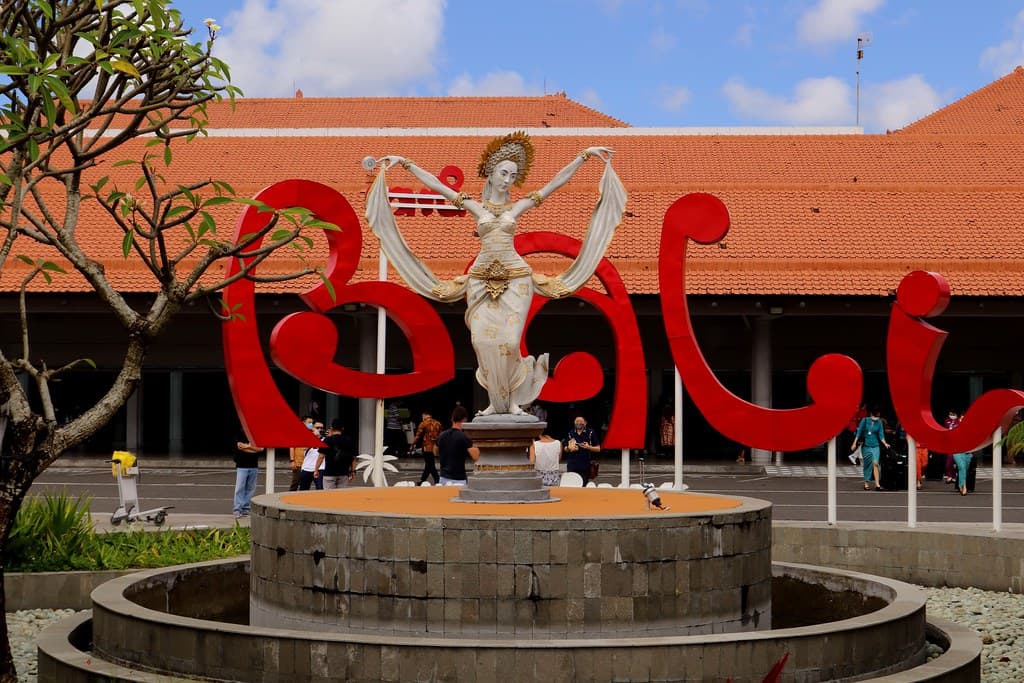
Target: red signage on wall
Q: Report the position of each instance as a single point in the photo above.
(305, 344)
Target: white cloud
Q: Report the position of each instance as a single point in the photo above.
(744, 36)
(1002, 58)
(494, 84)
(834, 20)
(591, 98)
(673, 97)
(894, 104)
(661, 41)
(815, 102)
(330, 47)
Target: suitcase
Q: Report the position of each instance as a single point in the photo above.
(893, 475)
(936, 467)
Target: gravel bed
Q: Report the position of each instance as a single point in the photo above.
(997, 617)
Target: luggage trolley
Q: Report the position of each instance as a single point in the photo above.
(126, 471)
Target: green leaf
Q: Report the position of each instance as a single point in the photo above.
(125, 67)
(223, 187)
(217, 201)
(126, 244)
(26, 259)
(167, 155)
(51, 266)
(176, 211)
(327, 285)
(12, 70)
(90, 362)
(124, 162)
(207, 225)
(255, 202)
(323, 225)
(62, 94)
(100, 183)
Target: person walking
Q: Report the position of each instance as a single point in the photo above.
(578, 445)
(962, 462)
(667, 432)
(870, 435)
(544, 454)
(952, 422)
(247, 462)
(426, 440)
(296, 455)
(453, 449)
(339, 457)
(311, 473)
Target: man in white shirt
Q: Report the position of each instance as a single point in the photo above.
(313, 463)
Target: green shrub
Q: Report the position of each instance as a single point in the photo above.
(49, 530)
(55, 533)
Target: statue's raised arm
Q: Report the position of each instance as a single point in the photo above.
(607, 214)
(381, 217)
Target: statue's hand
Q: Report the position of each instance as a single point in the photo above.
(390, 160)
(604, 153)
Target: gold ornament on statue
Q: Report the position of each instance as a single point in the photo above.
(515, 147)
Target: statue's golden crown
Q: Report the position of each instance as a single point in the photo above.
(514, 147)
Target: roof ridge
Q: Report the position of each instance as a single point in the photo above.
(953, 108)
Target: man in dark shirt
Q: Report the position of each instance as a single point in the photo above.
(247, 460)
(578, 444)
(339, 454)
(453, 447)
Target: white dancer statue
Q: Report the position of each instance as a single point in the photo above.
(500, 284)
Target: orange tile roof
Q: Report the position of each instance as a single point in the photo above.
(811, 215)
(547, 111)
(996, 109)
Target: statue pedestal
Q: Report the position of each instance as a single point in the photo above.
(504, 473)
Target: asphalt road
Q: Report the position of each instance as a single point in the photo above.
(800, 498)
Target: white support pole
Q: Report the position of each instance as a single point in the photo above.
(625, 468)
(831, 496)
(911, 482)
(997, 480)
(677, 479)
(270, 469)
(382, 339)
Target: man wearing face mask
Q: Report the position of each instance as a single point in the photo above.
(296, 456)
(870, 435)
(578, 445)
(311, 473)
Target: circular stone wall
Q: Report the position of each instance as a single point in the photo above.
(595, 562)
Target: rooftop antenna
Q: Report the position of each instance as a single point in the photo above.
(863, 41)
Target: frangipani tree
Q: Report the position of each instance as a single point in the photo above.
(80, 82)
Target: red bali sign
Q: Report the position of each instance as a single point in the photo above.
(305, 344)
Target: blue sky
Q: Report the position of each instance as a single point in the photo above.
(649, 63)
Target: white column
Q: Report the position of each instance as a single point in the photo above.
(367, 363)
(133, 417)
(997, 480)
(677, 421)
(761, 377)
(831, 496)
(382, 341)
(175, 411)
(271, 465)
(911, 482)
(624, 482)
